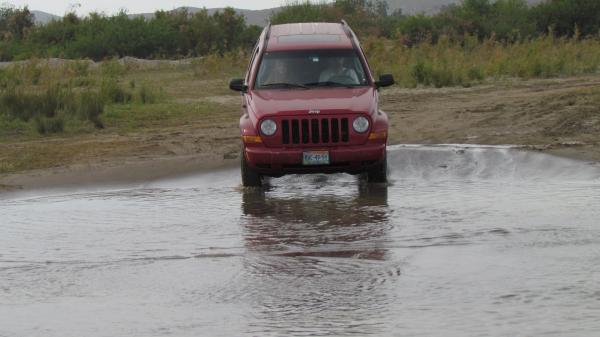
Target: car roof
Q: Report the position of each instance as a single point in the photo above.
(309, 35)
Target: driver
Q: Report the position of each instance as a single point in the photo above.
(336, 69)
(279, 73)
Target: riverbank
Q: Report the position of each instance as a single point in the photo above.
(556, 116)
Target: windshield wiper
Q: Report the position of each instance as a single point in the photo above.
(285, 85)
(330, 84)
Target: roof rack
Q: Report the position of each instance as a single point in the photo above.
(350, 34)
(268, 33)
(347, 29)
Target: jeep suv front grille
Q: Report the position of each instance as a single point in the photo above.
(315, 131)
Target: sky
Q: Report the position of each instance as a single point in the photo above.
(60, 7)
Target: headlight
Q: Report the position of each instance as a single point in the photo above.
(360, 124)
(268, 127)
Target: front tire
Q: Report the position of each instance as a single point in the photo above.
(378, 174)
(250, 178)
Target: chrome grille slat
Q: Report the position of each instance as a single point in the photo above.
(285, 131)
(295, 132)
(315, 131)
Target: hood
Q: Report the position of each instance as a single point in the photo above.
(328, 100)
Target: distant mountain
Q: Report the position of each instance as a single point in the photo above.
(42, 18)
(260, 17)
(428, 6)
(253, 17)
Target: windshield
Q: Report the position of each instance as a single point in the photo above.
(304, 69)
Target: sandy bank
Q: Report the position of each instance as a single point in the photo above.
(556, 116)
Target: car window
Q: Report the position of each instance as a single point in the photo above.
(303, 68)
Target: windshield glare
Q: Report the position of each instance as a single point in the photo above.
(301, 69)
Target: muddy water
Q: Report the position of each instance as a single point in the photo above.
(464, 242)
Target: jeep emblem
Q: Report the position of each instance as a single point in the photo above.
(314, 112)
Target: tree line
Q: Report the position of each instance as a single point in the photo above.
(168, 34)
(176, 34)
(505, 20)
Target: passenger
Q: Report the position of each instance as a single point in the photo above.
(337, 72)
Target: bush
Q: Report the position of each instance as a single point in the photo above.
(65, 96)
(219, 66)
(146, 95)
(15, 103)
(452, 63)
(46, 125)
(568, 17)
(111, 92)
(45, 108)
(90, 106)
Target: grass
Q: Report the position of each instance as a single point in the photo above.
(130, 118)
(449, 63)
(64, 99)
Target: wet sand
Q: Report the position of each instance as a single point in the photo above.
(138, 171)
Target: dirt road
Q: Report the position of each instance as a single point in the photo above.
(560, 116)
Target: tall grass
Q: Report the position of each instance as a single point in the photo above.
(448, 63)
(46, 98)
(219, 66)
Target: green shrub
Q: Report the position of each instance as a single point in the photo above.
(219, 66)
(48, 109)
(82, 82)
(113, 68)
(32, 70)
(475, 74)
(146, 95)
(111, 92)
(80, 68)
(422, 73)
(90, 107)
(45, 125)
(452, 63)
(14, 104)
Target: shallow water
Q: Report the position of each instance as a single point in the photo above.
(480, 241)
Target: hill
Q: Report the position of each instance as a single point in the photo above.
(428, 6)
(260, 17)
(253, 17)
(43, 17)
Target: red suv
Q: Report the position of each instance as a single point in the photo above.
(310, 105)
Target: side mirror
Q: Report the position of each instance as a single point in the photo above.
(385, 81)
(237, 84)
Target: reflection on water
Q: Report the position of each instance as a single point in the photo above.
(327, 263)
(314, 224)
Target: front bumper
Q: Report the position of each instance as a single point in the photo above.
(348, 159)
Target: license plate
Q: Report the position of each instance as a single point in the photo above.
(315, 158)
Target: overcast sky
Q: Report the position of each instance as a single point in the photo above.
(59, 7)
